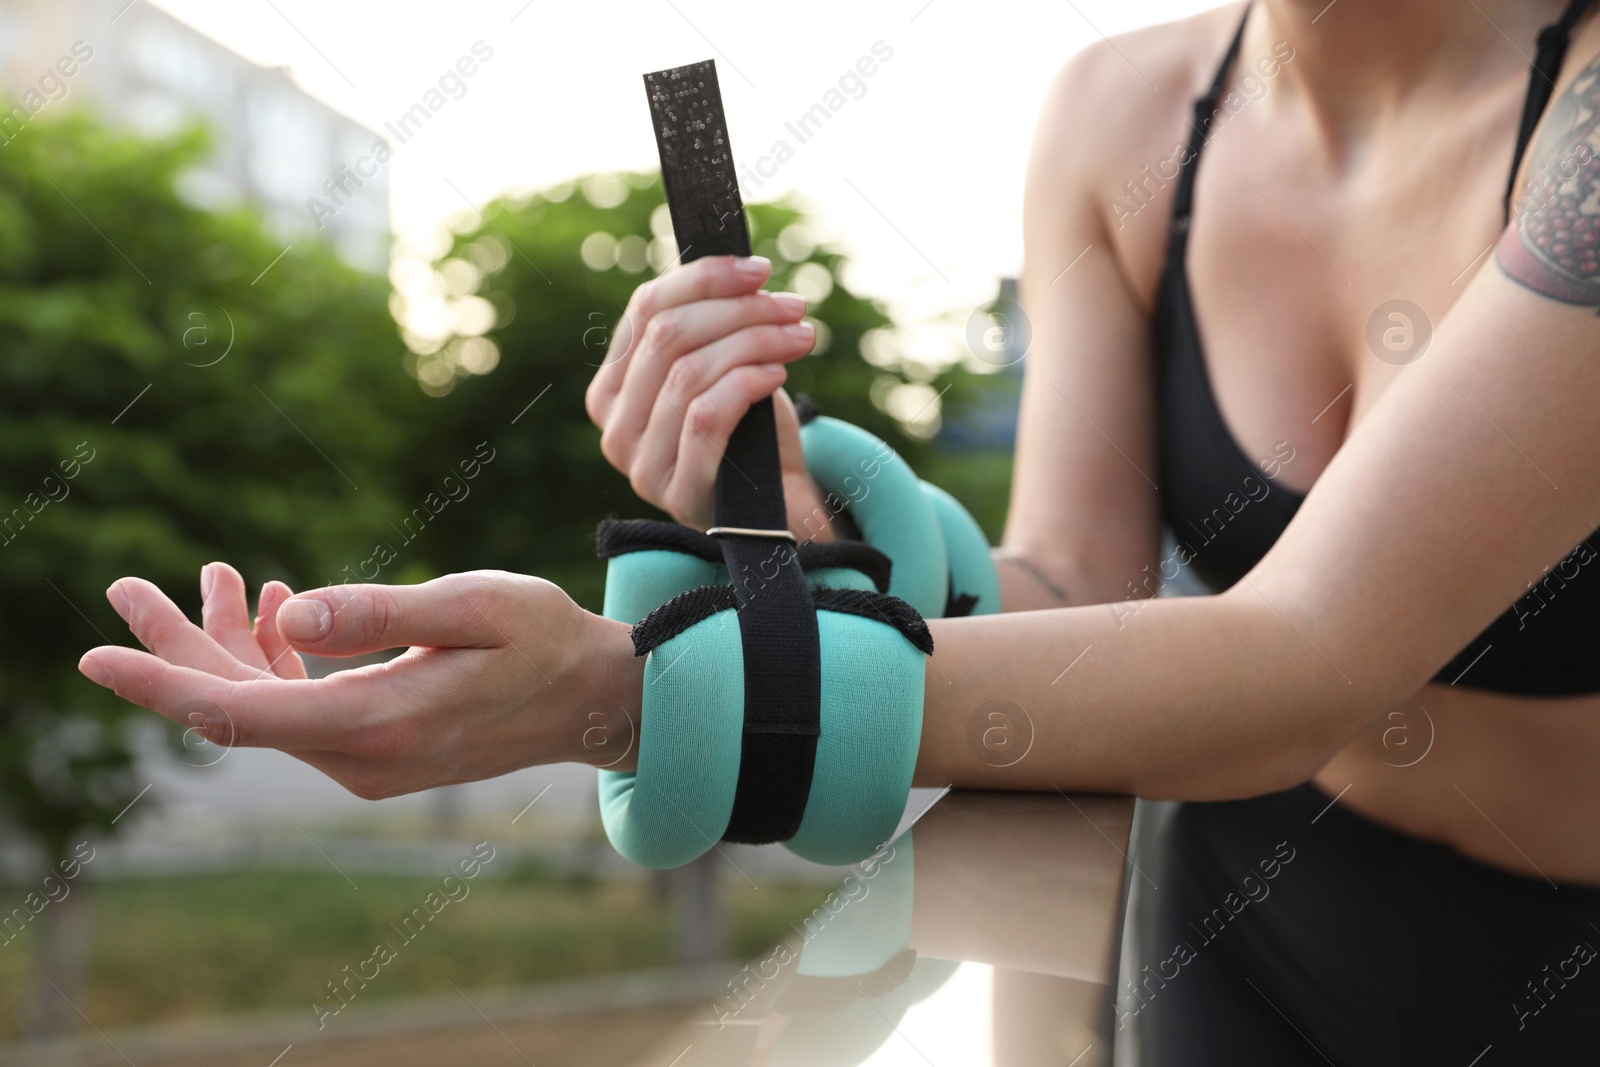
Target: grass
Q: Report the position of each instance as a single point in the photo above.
(182, 948)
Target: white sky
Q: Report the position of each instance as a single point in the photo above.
(935, 149)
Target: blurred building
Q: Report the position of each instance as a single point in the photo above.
(274, 145)
(990, 425)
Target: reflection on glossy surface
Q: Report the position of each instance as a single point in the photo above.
(983, 935)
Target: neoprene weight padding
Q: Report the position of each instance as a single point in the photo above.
(675, 805)
(872, 684)
(887, 503)
(971, 566)
(839, 578)
(639, 582)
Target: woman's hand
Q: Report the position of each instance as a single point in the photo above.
(504, 671)
(695, 348)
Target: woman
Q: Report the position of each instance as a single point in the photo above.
(1211, 343)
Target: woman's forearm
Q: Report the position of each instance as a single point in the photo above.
(1184, 697)
(1032, 580)
(1026, 585)
(1188, 697)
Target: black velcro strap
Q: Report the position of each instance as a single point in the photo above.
(856, 555)
(879, 607)
(749, 492)
(959, 605)
(689, 608)
(777, 618)
(782, 689)
(696, 161)
(618, 537)
(694, 606)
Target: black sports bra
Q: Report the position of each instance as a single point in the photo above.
(1225, 511)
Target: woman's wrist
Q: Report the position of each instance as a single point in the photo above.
(609, 688)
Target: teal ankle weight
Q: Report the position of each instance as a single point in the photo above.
(676, 805)
(887, 503)
(782, 695)
(974, 586)
(940, 556)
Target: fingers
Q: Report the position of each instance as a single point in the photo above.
(758, 351)
(679, 336)
(225, 613)
(708, 422)
(687, 348)
(700, 279)
(456, 611)
(710, 278)
(162, 627)
(281, 659)
(692, 374)
(331, 713)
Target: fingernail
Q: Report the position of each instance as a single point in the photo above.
(119, 600)
(793, 303)
(752, 266)
(800, 331)
(306, 620)
(95, 671)
(207, 579)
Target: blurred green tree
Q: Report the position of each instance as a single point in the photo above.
(530, 290)
(176, 388)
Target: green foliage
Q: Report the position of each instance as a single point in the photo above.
(259, 403)
(539, 501)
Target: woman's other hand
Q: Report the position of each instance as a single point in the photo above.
(503, 671)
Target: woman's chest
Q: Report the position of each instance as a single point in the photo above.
(1312, 287)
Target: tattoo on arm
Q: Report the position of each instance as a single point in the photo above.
(1553, 247)
(1033, 572)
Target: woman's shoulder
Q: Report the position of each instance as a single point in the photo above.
(1127, 96)
(1113, 128)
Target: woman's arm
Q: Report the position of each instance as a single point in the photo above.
(1475, 471)
(1084, 517)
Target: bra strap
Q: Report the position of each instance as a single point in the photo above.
(1204, 108)
(1552, 50)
